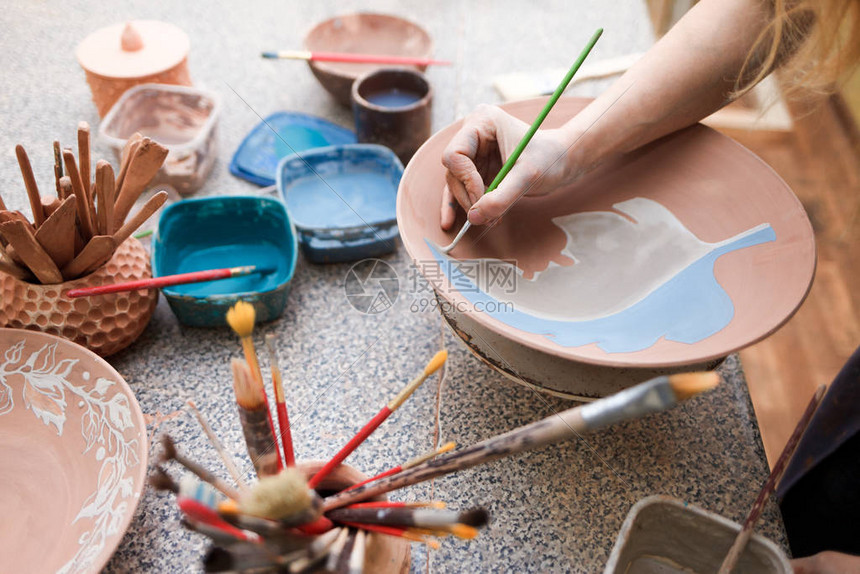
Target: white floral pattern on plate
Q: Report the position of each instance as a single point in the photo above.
(30, 369)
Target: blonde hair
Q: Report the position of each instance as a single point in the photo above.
(815, 42)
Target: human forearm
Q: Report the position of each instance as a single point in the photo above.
(690, 73)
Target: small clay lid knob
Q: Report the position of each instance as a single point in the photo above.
(130, 39)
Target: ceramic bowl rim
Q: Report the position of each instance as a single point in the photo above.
(293, 250)
(515, 334)
(143, 450)
(327, 69)
(307, 155)
(359, 100)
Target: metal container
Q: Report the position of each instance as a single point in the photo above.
(663, 535)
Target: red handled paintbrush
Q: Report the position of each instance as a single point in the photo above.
(280, 403)
(435, 363)
(168, 280)
(353, 58)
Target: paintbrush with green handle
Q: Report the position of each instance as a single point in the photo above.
(652, 396)
(532, 130)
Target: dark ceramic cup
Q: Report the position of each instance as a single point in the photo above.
(392, 107)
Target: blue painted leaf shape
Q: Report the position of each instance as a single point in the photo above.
(685, 303)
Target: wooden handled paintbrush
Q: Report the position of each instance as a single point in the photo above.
(651, 396)
(256, 421)
(434, 365)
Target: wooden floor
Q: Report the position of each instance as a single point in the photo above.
(820, 161)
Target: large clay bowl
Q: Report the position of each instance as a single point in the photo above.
(105, 324)
(363, 33)
(73, 449)
(714, 188)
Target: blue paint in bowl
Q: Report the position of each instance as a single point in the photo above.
(228, 231)
(342, 200)
(257, 157)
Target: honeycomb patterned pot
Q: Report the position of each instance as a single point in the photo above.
(104, 324)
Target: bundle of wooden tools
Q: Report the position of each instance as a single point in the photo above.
(77, 231)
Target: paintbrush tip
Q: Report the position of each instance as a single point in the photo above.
(687, 385)
(241, 317)
(477, 517)
(464, 531)
(436, 362)
(169, 448)
(160, 480)
(270, 55)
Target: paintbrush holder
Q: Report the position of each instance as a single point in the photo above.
(384, 554)
(105, 324)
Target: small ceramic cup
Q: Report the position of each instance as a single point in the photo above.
(392, 107)
(384, 554)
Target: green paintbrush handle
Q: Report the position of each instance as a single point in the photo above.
(544, 112)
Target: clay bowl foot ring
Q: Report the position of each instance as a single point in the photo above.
(384, 554)
(105, 324)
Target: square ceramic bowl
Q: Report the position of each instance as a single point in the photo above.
(342, 200)
(181, 118)
(225, 231)
(662, 535)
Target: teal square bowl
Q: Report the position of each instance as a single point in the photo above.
(226, 231)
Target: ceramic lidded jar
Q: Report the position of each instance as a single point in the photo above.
(118, 57)
(105, 324)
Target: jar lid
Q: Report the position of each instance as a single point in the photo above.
(133, 49)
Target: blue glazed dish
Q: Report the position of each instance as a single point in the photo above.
(257, 157)
(342, 200)
(227, 231)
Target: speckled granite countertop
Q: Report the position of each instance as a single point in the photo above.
(555, 510)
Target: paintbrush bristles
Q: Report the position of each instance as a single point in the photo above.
(249, 391)
(279, 496)
(432, 366)
(241, 318)
(688, 385)
(436, 362)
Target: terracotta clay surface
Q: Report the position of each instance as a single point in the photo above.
(715, 187)
(123, 55)
(74, 451)
(364, 34)
(105, 324)
(384, 554)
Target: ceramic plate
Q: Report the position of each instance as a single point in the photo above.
(681, 252)
(74, 452)
(280, 135)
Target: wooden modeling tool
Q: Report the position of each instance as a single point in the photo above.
(171, 453)
(84, 216)
(509, 163)
(353, 58)
(408, 464)
(7, 265)
(50, 204)
(771, 483)
(84, 158)
(168, 280)
(142, 167)
(21, 238)
(254, 415)
(100, 248)
(652, 396)
(57, 234)
(105, 190)
(2, 204)
(434, 365)
(280, 403)
(128, 151)
(241, 317)
(58, 168)
(30, 185)
(219, 448)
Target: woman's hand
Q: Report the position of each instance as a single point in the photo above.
(476, 154)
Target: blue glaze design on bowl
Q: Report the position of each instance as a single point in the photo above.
(225, 231)
(257, 157)
(342, 200)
